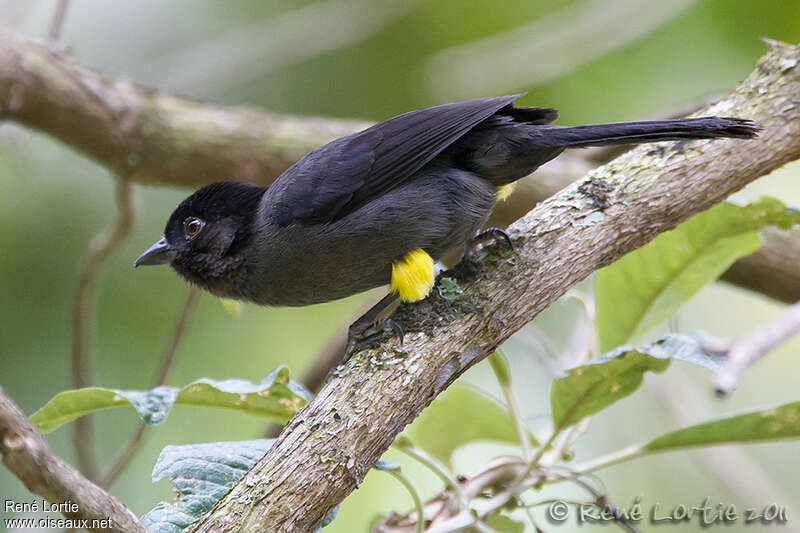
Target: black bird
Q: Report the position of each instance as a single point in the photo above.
(379, 206)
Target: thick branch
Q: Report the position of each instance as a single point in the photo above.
(154, 138)
(28, 457)
(773, 269)
(332, 443)
(147, 136)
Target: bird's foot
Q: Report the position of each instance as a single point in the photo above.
(490, 237)
(364, 334)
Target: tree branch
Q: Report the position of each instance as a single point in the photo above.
(773, 269)
(155, 138)
(54, 32)
(327, 448)
(751, 347)
(146, 136)
(28, 457)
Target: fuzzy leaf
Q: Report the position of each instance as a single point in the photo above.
(274, 397)
(201, 474)
(650, 284)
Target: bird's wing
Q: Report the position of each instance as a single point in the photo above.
(345, 174)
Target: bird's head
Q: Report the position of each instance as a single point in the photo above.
(207, 234)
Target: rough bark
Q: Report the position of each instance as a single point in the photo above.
(150, 137)
(28, 457)
(327, 449)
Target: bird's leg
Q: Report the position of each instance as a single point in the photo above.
(371, 324)
(489, 237)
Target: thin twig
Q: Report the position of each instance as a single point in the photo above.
(499, 363)
(178, 336)
(412, 490)
(99, 249)
(439, 469)
(750, 348)
(28, 457)
(168, 362)
(54, 33)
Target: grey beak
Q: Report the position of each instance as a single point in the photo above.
(158, 254)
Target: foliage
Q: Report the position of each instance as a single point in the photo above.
(779, 422)
(648, 285)
(200, 474)
(275, 397)
(590, 388)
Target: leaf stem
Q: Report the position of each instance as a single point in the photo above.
(625, 454)
(441, 471)
(499, 364)
(412, 490)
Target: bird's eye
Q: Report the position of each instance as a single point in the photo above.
(192, 226)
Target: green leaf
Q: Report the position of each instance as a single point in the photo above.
(458, 416)
(201, 474)
(499, 364)
(606, 379)
(591, 388)
(504, 524)
(274, 397)
(648, 285)
(767, 424)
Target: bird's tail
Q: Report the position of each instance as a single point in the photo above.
(645, 131)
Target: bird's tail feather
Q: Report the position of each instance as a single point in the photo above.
(646, 131)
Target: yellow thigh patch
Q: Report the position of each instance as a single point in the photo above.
(412, 275)
(504, 191)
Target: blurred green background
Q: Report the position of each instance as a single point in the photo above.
(371, 59)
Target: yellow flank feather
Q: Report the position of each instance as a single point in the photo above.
(504, 191)
(412, 275)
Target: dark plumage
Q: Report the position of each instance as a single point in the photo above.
(337, 221)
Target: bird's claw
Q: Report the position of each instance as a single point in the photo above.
(489, 237)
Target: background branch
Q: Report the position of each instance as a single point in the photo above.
(756, 344)
(28, 457)
(773, 269)
(54, 32)
(327, 448)
(99, 249)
